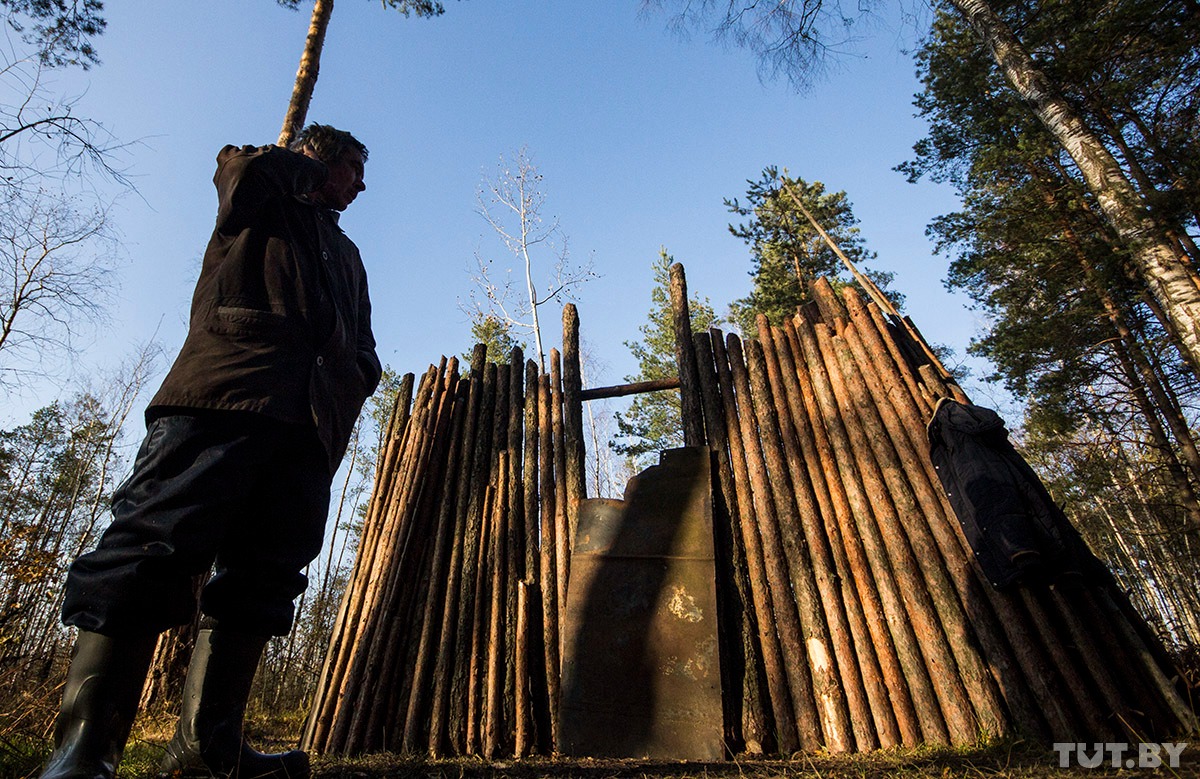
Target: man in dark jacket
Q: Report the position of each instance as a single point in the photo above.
(242, 441)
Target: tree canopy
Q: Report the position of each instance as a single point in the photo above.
(62, 30)
(787, 252)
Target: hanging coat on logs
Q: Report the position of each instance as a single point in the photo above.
(1014, 527)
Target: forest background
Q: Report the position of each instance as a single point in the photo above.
(646, 143)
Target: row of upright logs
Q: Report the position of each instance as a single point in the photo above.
(853, 614)
(447, 640)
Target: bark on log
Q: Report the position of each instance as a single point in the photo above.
(414, 717)
(913, 545)
(842, 671)
(940, 667)
(478, 626)
(746, 724)
(522, 705)
(549, 565)
(878, 663)
(562, 550)
(439, 736)
(863, 541)
(818, 666)
(773, 661)
(496, 647)
(572, 388)
(689, 384)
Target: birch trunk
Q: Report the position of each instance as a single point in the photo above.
(1169, 281)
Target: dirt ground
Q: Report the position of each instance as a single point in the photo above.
(1016, 761)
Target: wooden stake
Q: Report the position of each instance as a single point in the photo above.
(746, 724)
(842, 701)
(878, 663)
(772, 654)
(549, 565)
(915, 705)
(822, 716)
(685, 358)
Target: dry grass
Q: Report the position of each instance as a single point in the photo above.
(1006, 760)
(1019, 761)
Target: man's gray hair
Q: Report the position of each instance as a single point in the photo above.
(328, 143)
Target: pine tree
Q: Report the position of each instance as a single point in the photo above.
(787, 251)
(494, 333)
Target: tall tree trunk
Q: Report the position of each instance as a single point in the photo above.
(306, 76)
(1170, 282)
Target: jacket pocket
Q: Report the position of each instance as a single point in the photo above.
(235, 320)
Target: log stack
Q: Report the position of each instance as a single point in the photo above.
(447, 639)
(852, 615)
(855, 617)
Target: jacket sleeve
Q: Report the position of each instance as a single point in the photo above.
(368, 360)
(247, 177)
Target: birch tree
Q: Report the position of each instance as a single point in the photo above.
(793, 38)
(58, 249)
(513, 203)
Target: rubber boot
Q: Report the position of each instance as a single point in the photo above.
(208, 741)
(100, 701)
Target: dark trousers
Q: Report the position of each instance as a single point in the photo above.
(245, 491)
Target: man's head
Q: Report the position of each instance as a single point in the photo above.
(343, 154)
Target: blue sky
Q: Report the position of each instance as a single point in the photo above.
(639, 134)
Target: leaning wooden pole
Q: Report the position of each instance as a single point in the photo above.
(838, 682)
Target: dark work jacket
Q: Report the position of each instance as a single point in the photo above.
(280, 319)
(1009, 519)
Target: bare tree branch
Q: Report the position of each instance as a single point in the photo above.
(512, 202)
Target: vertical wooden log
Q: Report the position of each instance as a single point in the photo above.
(538, 711)
(493, 700)
(899, 414)
(685, 358)
(573, 418)
(817, 666)
(343, 734)
(773, 660)
(531, 473)
(891, 705)
(522, 704)
(515, 535)
(783, 603)
(549, 565)
(746, 725)
(387, 655)
(562, 551)
(884, 337)
(833, 313)
(439, 718)
(480, 466)
(894, 553)
(825, 629)
(1029, 686)
(478, 627)
(414, 716)
(864, 540)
